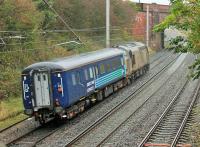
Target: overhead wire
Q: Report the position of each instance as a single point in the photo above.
(65, 31)
(47, 41)
(62, 20)
(51, 47)
(63, 42)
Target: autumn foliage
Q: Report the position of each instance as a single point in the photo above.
(27, 33)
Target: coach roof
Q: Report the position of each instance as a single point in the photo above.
(72, 62)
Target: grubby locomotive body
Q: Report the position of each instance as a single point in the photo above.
(65, 87)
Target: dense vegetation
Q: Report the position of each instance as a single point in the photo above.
(31, 32)
(184, 16)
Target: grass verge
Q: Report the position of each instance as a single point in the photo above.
(12, 120)
(11, 111)
(194, 130)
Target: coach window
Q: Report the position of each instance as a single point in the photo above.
(86, 74)
(113, 64)
(73, 79)
(96, 70)
(102, 68)
(119, 64)
(116, 63)
(78, 80)
(108, 67)
(91, 73)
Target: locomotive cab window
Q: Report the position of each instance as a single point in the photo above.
(133, 59)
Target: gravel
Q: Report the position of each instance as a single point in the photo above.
(134, 130)
(104, 129)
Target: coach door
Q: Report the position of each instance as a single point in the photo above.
(42, 91)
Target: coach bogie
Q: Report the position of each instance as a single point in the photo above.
(108, 90)
(99, 95)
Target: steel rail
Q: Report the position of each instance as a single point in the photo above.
(162, 116)
(174, 142)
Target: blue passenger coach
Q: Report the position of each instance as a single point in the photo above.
(65, 87)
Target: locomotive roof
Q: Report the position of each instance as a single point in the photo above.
(75, 61)
(134, 46)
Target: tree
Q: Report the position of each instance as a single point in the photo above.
(49, 19)
(13, 17)
(184, 15)
(91, 13)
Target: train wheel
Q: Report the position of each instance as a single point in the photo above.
(42, 120)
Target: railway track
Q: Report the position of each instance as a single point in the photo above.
(36, 135)
(161, 60)
(116, 108)
(159, 56)
(167, 130)
(47, 131)
(185, 137)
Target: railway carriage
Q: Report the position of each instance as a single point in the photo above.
(64, 87)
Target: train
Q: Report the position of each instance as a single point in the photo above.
(62, 88)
